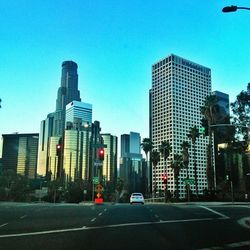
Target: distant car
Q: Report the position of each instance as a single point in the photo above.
(136, 198)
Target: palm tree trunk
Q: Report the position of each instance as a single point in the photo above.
(210, 174)
(177, 186)
(195, 171)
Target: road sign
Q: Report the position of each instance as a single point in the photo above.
(99, 188)
(98, 164)
(188, 181)
(95, 180)
(99, 145)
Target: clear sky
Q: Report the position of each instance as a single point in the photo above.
(115, 43)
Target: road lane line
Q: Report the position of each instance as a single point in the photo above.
(101, 227)
(227, 246)
(22, 217)
(93, 219)
(105, 209)
(99, 214)
(215, 212)
(4, 224)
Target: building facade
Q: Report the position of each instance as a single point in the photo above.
(179, 88)
(67, 92)
(19, 153)
(132, 166)
(109, 168)
(54, 124)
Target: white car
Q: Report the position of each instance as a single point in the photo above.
(136, 198)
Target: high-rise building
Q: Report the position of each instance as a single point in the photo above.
(46, 130)
(132, 166)
(80, 110)
(54, 125)
(20, 153)
(67, 92)
(76, 161)
(109, 168)
(179, 88)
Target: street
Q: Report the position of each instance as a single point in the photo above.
(124, 226)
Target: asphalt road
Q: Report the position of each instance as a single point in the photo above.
(124, 226)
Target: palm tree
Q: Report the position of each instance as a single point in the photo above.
(176, 165)
(147, 146)
(155, 158)
(185, 155)
(193, 135)
(210, 111)
(165, 149)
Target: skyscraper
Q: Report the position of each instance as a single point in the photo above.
(76, 160)
(109, 168)
(54, 124)
(80, 110)
(20, 153)
(179, 88)
(67, 92)
(131, 163)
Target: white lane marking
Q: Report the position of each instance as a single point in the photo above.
(105, 209)
(243, 222)
(215, 212)
(22, 217)
(4, 224)
(101, 227)
(93, 219)
(230, 245)
(99, 214)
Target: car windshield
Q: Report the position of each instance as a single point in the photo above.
(124, 124)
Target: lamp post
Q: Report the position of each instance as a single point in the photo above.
(233, 8)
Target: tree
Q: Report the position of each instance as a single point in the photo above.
(165, 149)
(185, 154)
(155, 158)
(210, 111)
(147, 146)
(193, 135)
(176, 165)
(241, 113)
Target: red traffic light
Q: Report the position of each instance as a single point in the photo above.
(101, 154)
(165, 179)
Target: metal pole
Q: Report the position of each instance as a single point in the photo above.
(232, 191)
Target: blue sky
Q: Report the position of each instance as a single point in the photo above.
(114, 43)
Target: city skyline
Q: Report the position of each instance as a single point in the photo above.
(114, 56)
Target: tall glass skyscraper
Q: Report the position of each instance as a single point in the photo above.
(54, 125)
(179, 88)
(67, 92)
(20, 153)
(109, 168)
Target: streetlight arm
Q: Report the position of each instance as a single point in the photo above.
(233, 8)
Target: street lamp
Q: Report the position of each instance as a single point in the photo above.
(233, 8)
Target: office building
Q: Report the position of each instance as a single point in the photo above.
(79, 110)
(54, 124)
(132, 166)
(19, 153)
(46, 130)
(67, 92)
(109, 169)
(76, 159)
(179, 88)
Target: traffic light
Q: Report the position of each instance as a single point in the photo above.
(58, 149)
(101, 154)
(165, 179)
(227, 177)
(204, 124)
